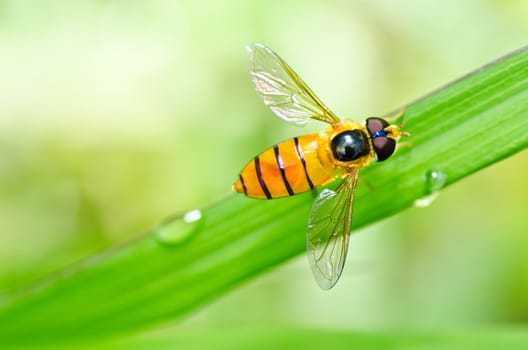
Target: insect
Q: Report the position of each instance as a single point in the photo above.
(302, 163)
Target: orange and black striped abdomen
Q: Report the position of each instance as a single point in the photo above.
(285, 169)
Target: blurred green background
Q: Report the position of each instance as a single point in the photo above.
(116, 114)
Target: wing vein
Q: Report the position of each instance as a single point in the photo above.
(329, 231)
(282, 90)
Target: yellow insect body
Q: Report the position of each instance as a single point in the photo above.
(302, 163)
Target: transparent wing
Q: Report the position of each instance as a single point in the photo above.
(282, 90)
(329, 231)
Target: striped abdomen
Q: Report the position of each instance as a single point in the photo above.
(285, 169)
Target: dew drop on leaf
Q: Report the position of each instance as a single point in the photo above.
(434, 181)
(178, 229)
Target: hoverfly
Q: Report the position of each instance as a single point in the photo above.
(302, 163)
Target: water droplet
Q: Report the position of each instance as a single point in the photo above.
(434, 182)
(192, 216)
(178, 229)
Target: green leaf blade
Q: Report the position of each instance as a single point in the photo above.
(458, 130)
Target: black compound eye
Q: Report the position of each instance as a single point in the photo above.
(384, 147)
(349, 145)
(376, 124)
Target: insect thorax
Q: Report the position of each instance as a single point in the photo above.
(346, 145)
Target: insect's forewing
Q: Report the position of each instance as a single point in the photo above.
(329, 231)
(282, 90)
